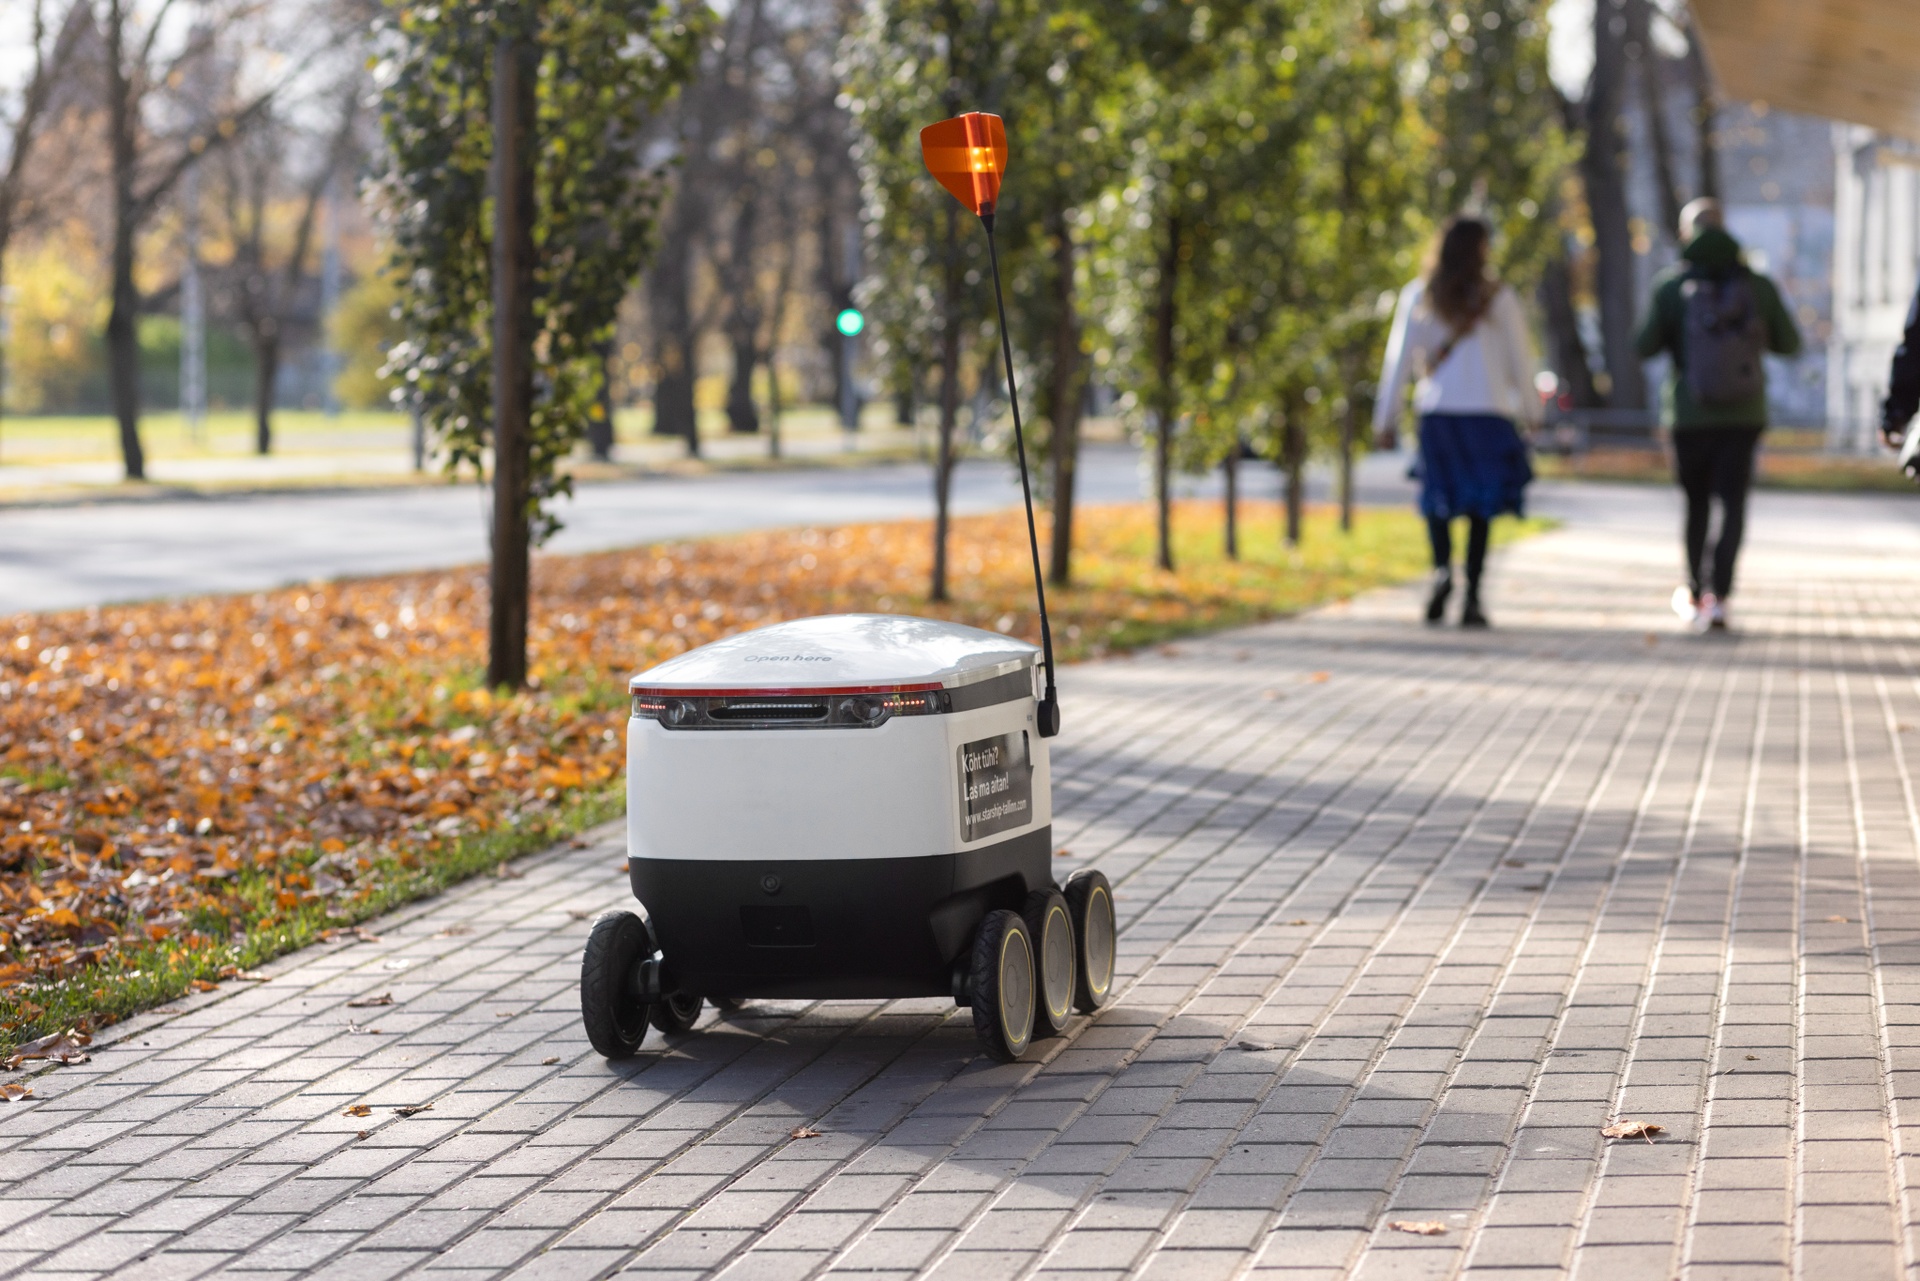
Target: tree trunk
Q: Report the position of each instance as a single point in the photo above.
(1064, 444)
(1705, 107)
(1294, 446)
(1347, 432)
(266, 371)
(1566, 349)
(1653, 101)
(743, 415)
(774, 406)
(949, 408)
(1165, 394)
(515, 66)
(675, 344)
(1603, 167)
(123, 321)
(1230, 472)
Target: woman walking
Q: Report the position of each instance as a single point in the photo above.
(1464, 335)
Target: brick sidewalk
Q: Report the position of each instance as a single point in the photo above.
(1407, 917)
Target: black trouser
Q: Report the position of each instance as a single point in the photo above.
(1440, 534)
(1714, 462)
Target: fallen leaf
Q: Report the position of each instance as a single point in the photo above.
(361, 1134)
(201, 985)
(56, 1047)
(504, 1014)
(1419, 1227)
(1516, 862)
(354, 1029)
(804, 1132)
(1063, 853)
(623, 867)
(368, 1002)
(1837, 920)
(365, 935)
(358, 1109)
(10, 1091)
(1753, 1058)
(1300, 921)
(1320, 678)
(579, 844)
(453, 932)
(550, 1060)
(411, 1109)
(578, 913)
(1633, 1130)
(505, 873)
(1271, 694)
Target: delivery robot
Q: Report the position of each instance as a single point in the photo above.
(854, 806)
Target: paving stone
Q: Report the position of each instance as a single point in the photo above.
(1574, 869)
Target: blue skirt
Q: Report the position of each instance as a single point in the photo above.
(1471, 465)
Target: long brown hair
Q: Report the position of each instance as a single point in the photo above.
(1458, 289)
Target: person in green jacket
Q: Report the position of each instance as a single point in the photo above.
(1716, 317)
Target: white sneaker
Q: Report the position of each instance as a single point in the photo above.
(1712, 614)
(1684, 606)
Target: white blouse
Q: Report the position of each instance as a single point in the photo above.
(1490, 371)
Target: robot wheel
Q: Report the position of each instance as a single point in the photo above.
(1001, 985)
(611, 1005)
(1090, 903)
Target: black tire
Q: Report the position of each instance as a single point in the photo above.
(676, 1013)
(1056, 961)
(1090, 903)
(614, 1014)
(1002, 986)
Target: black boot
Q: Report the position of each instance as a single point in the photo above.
(1472, 615)
(1437, 596)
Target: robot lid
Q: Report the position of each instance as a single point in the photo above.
(842, 653)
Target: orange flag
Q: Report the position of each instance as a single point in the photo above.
(967, 155)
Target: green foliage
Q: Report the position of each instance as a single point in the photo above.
(1281, 162)
(606, 69)
(363, 329)
(907, 65)
(1499, 146)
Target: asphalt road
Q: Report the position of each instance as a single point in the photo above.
(60, 557)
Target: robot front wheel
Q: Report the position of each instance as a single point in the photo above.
(613, 1004)
(1030, 969)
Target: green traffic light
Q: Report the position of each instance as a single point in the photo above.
(850, 322)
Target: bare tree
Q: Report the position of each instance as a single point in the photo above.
(1653, 101)
(147, 161)
(1603, 167)
(1706, 105)
(56, 31)
(255, 173)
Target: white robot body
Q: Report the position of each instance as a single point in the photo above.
(828, 807)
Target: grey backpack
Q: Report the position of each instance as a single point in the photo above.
(1726, 340)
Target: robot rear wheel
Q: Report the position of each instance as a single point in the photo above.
(676, 1013)
(1090, 903)
(1001, 986)
(611, 1005)
(1050, 926)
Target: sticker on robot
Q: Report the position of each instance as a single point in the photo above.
(996, 785)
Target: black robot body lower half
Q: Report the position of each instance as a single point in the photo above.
(831, 929)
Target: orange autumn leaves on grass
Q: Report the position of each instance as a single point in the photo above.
(179, 778)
